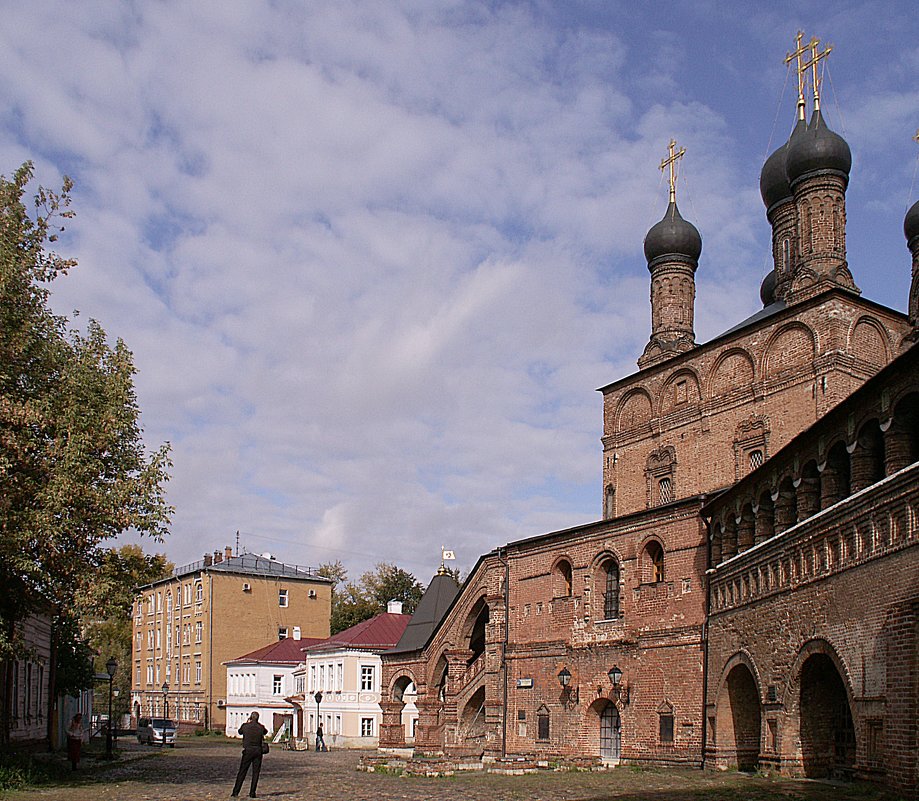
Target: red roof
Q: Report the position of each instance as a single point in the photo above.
(286, 650)
(378, 633)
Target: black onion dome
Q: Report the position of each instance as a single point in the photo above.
(767, 289)
(673, 236)
(911, 224)
(817, 148)
(773, 182)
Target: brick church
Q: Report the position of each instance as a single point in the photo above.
(750, 596)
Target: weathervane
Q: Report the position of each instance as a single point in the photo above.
(670, 161)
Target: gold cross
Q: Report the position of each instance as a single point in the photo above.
(801, 69)
(816, 57)
(916, 137)
(670, 161)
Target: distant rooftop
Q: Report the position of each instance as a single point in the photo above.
(248, 564)
(378, 633)
(286, 651)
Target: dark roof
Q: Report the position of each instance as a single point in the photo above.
(380, 632)
(288, 650)
(432, 607)
(762, 314)
(248, 564)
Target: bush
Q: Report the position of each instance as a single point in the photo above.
(23, 770)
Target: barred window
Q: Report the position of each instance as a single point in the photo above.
(665, 488)
(666, 729)
(611, 592)
(756, 459)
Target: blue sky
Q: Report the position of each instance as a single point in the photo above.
(374, 258)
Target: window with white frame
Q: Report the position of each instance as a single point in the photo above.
(277, 684)
(367, 677)
(197, 672)
(199, 592)
(339, 676)
(366, 727)
(312, 678)
(149, 674)
(282, 632)
(282, 597)
(158, 639)
(199, 630)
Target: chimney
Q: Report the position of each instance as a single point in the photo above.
(208, 560)
(394, 607)
(228, 552)
(218, 557)
(296, 632)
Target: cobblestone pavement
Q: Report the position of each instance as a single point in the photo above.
(205, 769)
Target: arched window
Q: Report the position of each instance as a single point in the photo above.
(654, 559)
(563, 585)
(611, 590)
(542, 723)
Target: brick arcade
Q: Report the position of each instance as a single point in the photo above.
(751, 594)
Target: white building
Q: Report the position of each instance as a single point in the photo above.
(346, 670)
(263, 682)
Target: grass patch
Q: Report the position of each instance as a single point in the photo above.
(19, 771)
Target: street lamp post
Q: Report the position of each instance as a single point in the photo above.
(111, 666)
(165, 700)
(318, 697)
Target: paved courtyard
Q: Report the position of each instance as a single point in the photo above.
(204, 769)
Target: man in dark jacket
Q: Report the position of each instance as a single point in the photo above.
(253, 733)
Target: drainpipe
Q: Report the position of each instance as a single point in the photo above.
(708, 609)
(210, 651)
(507, 585)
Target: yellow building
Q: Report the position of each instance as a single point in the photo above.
(206, 613)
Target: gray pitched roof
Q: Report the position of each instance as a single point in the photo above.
(435, 602)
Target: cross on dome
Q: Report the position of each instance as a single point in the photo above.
(670, 161)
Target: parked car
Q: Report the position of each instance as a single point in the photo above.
(156, 731)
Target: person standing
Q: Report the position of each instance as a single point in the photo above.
(253, 734)
(75, 740)
(320, 742)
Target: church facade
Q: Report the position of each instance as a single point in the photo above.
(751, 593)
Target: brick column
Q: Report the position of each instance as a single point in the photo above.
(746, 529)
(832, 489)
(786, 509)
(429, 732)
(897, 448)
(729, 539)
(808, 497)
(392, 732)
(764, 526)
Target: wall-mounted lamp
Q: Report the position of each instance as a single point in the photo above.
(569, 693)
(621, 690)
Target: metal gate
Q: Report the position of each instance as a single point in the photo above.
(610, 733)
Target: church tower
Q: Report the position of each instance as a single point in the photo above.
(672, 248)
(803, 185)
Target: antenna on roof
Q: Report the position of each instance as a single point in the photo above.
(237, 542)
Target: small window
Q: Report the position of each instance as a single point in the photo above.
(666, 728)
(367, 677)
(282, 632)
(654, 554)
(682, 394)
(611, 591)
(199, 592)
(276, 684)
(542, 723)
(282, 598)
(564, 574)
(665, 490)
(609, 503)
(366, 727)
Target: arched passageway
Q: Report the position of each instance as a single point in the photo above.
(827, 730)
(739, 720)
(473, 721)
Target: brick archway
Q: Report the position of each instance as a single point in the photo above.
(738, 718)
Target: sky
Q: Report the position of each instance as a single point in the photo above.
(374, 259)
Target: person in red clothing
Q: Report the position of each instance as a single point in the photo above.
(75, 740)
(253, 734)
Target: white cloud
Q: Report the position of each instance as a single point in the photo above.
(374, 258)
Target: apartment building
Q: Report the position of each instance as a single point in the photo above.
(188, 625)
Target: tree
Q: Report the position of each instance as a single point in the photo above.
(105, 604)
(73, 468)
(353, 603)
